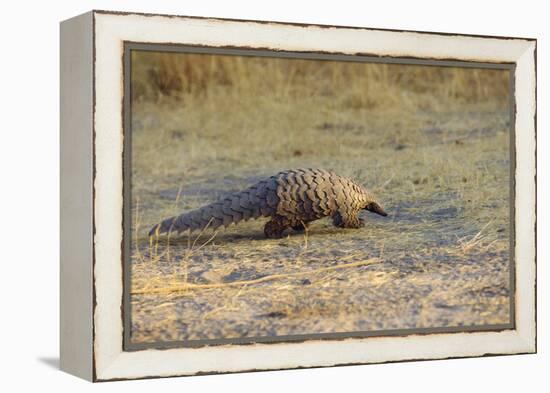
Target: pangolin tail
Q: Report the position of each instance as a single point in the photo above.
(244, 205)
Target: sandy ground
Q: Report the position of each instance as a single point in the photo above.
(441, 258)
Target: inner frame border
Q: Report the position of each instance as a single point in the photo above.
(129, 46)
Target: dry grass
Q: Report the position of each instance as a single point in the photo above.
(373, 86)
(187, 286)
(431, 142)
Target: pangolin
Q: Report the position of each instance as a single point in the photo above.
(291, 198)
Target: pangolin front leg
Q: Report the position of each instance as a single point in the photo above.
(347, 220)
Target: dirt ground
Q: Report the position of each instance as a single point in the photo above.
(440, 167)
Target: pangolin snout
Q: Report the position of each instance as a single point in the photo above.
(376, 208)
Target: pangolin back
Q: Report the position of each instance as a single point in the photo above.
(292, 197)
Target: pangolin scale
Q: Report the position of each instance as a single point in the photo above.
(291, 198)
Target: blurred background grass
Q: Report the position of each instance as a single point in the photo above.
(367, 85)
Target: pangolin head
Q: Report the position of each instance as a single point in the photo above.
(372, 205)
(376, 208)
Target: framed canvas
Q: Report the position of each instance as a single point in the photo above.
(246, 195)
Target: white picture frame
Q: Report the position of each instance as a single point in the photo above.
(92, 117)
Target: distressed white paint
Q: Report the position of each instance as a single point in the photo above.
(76, 172)
(112, 30)
(525, 219)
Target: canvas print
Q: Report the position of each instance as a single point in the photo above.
(273, 197)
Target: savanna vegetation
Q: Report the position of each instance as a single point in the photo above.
(431, 142)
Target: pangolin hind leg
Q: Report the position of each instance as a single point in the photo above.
(343, 220)
(301, 226)
(275, 227)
